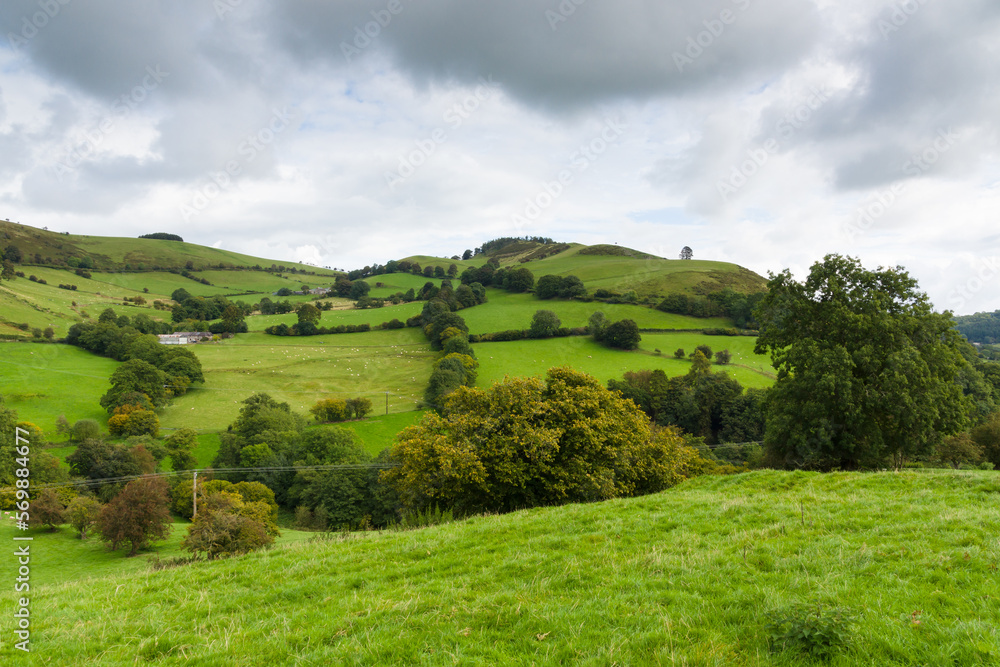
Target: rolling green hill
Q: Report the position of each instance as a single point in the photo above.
(616, 268)
(111, 253)
(690, 576)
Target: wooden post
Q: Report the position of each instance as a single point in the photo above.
(194, 494)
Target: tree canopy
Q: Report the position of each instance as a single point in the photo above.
(866, 370)
(524, 442)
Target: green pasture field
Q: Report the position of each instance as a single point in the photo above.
(60, 557)
(372, 316)
(301, 371)
(505, 310)
(690, 576)
(400, 282)
(161, 284)
(535, 357)
(379, 431)
(43, 381)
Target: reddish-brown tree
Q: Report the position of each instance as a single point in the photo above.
(137, 515)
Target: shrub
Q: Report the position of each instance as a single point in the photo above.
(85, 429)
(227, 525)
(815, 629)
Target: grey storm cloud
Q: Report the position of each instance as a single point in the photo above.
(559, 55)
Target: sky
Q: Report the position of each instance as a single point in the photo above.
(767, 133)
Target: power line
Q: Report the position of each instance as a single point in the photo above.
(175, 473)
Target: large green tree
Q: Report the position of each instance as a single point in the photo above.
(136, 375)
(524, 442)
(866, 369)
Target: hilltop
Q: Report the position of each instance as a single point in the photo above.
(692, 575)
(614, 268)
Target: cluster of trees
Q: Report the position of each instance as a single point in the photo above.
(496, 245)
(164, 236)
(198, 309)
(150, 375)
(708, 405)
(551, 286)
(724, 303)
(491, 275)
(980, 327)
(44, 468)
(231, 519)
(524, 443)
(268, 307)
(622, 335)
(722, 357)
(337, 410)
(309, 328)
(269, 434)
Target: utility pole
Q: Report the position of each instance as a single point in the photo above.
(386, 402)
(194, 494)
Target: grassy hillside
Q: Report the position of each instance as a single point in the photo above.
(42, 382)
(109, 252)
(617, 268)
(688, 576)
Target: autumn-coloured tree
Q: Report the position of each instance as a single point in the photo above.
(227, 525)
(48, 510)
(137, 515)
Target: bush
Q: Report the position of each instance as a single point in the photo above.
(85, 429)
(227, 525)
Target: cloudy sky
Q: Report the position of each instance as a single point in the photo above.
(762, 132)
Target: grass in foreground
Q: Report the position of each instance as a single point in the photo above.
(683, 577)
